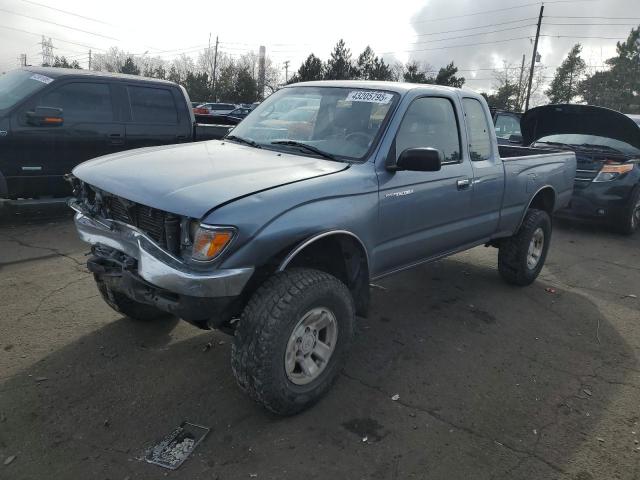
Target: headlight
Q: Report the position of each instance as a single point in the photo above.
(209, 242)
(612, 171)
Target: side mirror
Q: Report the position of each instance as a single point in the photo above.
(420, 160)
(45, 116)
(515, 139)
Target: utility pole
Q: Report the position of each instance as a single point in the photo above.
(89, 59)
(262, 54)
(286, 71)
(215, 67)
(533, 58)
(519, 100)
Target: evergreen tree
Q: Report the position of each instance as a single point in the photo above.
(414, 74)
(340, 66)
(618, 87)
(311, 69)
(565, 84)
(370, 67)
(447, 76)
(130, 67)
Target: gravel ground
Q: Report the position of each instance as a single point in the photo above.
(493, 381)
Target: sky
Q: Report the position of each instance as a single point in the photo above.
(477, 35)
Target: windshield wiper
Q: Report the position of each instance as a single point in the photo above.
(246, 141)
(557, 144)
(306, 146)
(605, 148)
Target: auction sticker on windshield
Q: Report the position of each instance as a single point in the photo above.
(41, 78)
(368, 96)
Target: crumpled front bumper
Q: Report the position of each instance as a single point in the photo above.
(156, 266)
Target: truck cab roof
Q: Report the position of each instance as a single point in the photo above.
(55, 73)
(396, 87)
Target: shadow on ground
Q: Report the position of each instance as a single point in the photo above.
(493, 382)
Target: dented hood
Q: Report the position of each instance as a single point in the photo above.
(191, 179)
(579, 119)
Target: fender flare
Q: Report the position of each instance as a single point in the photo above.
(291, 255)
(524, 213)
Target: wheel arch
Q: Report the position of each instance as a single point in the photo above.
(544, 199)
(340, 253)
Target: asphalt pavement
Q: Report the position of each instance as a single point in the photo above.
(490, 381)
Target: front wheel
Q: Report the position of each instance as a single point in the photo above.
(630, 221)
(292, 339)
(522, 256)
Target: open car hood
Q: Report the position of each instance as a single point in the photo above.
(578, 119)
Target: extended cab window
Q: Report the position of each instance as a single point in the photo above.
(81, 102)
(152, 105)
(477, 129)
(430, 122)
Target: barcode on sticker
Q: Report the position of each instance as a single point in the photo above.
(368, 96)
(41, 78)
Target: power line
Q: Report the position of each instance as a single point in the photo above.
(580, 37)
(503, 9)
(67, 12)
(475, 28)
(594, 24)
(58, 24)
(595, 18)
(475, 34)
(459, 46)
(54, 38)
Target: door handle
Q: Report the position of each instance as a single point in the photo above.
(463, 184)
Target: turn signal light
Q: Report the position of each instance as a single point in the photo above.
(209, 243)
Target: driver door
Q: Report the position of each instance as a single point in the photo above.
(423, 214)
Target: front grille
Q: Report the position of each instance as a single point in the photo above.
(584, 177)
(162, 227)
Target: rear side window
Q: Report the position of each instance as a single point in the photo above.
(478, 130)
(430, 122)
(152, 105)
(81, 102)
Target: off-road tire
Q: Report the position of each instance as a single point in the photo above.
(267, 322)
(127, 307)
(513, 251)
(627, 225)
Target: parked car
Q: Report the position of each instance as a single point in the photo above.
(239, 113)
(214, 108)
(52, 119)
(277, 239)
(507, 125)
(607, 146)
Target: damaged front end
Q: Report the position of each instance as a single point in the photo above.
(158, 258)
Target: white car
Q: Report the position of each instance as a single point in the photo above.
(215, 108)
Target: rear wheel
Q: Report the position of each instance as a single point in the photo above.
(630, 221)
(522, 256)
(127, 307)
(292, 339)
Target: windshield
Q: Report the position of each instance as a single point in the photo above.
(341, 122)
(507, 125)
(19, 84)
(591, 141)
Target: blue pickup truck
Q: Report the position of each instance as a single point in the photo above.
(275, 233)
